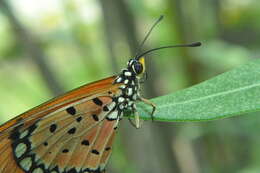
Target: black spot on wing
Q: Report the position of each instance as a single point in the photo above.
(95, 152)
(72, 130)
(95, 117)
(108, 148)
(53, 128)
(85, 142)
(105, 108)
(71, 110)
(97, 101)
(79, 119)
(65, 151)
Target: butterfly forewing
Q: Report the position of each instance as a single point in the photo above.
(29, 117)
(68, 134)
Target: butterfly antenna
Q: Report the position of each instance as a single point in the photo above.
(195, 44)
(148, 33)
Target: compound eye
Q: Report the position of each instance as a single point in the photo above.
(138, 68)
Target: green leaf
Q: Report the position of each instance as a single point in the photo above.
(232, 93)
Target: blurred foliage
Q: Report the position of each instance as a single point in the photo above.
(87, 40)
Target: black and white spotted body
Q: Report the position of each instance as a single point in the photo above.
(130, 88)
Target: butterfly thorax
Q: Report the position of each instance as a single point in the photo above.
(130, 89)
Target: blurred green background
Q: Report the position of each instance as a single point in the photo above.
(48, 47)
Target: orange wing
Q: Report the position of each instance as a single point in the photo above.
(101, 87)
(67, 134)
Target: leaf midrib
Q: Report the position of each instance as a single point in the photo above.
(210, 96)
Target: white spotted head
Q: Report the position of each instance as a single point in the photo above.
(136, 66)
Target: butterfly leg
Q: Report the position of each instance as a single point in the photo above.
(137, 119)
(136, 122)
(151, 104)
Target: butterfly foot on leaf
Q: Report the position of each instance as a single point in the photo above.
(148, 102)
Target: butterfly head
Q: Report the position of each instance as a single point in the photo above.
(136, 66)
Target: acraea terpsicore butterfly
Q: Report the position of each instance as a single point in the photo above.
(73, 133)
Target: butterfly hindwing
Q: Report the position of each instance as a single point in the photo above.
(83, 148)
(108, 150)
(94, 156)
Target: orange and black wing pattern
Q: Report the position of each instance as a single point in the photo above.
(69, 134)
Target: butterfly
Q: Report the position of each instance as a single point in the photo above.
(74, 132)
